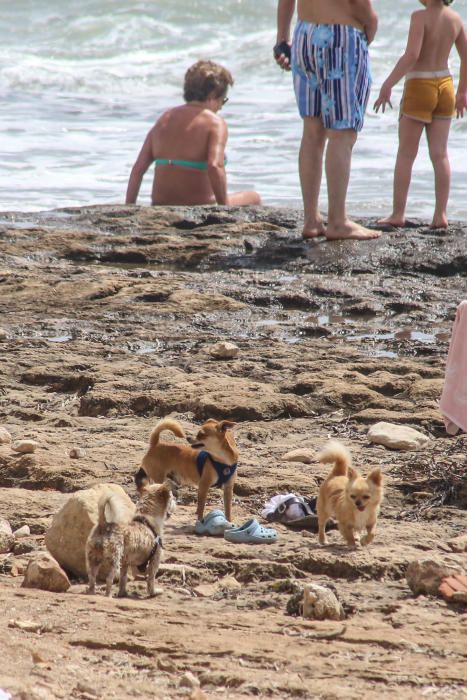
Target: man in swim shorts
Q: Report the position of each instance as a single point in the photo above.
(329, 60)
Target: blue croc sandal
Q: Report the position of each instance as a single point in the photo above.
(214, 524)
(251, 532)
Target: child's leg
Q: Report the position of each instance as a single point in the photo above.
(410, 131)
(437, 134)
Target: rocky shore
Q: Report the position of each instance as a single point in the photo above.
(107, 318)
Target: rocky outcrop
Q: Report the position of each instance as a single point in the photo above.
(66, 537)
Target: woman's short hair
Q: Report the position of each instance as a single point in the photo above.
(205, 78)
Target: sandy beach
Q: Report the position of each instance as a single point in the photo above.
(107, 314)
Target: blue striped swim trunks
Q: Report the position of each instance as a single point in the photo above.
(331, 73)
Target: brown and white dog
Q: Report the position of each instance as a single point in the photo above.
(211, 460)
(119, 544)
(345, 494)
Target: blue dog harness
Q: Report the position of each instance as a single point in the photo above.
(224, 471)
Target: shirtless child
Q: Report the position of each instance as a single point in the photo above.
(428, 102)
(331, 74)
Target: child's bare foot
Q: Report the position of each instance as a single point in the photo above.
(396, 221)
(351, 231)
(439, 222)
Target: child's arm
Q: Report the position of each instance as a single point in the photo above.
(461, 95)
(363, 11)
(406, 61)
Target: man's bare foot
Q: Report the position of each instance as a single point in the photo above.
(313, 229)
(392, 220)
(439, 222)
(351, 231)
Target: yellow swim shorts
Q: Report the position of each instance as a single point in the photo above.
(427, 96)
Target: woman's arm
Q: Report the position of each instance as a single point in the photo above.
(406, 61)
(216, 153)
(142, 163)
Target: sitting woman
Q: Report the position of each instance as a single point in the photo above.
(187, 145)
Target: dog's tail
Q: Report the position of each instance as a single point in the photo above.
(165, 424)
(110, 510)
(334, 452)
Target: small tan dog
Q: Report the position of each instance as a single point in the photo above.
(210, 461)
(345, 494)
(120, 544)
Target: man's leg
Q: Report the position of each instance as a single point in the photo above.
(437, 134)
(338, 160)
(310, 165)
(410, 131)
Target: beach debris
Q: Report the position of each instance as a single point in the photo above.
(25, 446)
(224, 350)
(5, 437)
(23, 531)
(454, 588)
(397, 437)
(44, 572)
(7, 539)
(424, 575)
(301, 454)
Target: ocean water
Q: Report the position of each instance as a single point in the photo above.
(82, 83)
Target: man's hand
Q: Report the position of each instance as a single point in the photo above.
(384, 98)
(282, 55)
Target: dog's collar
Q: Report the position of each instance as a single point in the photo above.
(224, 471)
(157, 541)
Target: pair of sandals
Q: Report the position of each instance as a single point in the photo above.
(251, 532)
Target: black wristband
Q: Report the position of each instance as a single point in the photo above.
(282, 48)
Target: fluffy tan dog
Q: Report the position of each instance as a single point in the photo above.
(120, 544)
(345, 494)
(210, 461)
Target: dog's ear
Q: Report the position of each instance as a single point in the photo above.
(141, 480)
(172, 486)
(352, 474)
(376, 476)
(225, 425)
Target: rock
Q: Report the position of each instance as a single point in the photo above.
(23, 531)
(224, 350)
(3, 335)
(205, 590)
(320, 603)
(45, 573)
(25, 446)
(66, 537)
(189, 680)
(424, 575)
(397, 437)
(5, 437)
(304, 455)
(7, 539)
(76, 453)
(458, 544)
(25, 545)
